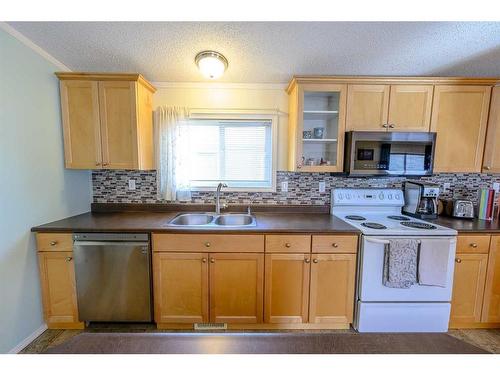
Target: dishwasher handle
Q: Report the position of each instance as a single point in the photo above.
(110, 243)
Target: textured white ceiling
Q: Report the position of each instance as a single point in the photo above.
(272, 51)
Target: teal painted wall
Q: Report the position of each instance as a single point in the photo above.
(34, 186)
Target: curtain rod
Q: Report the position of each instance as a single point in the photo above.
(235, 110)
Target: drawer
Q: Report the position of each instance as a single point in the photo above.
(288, 244)
(335, 244)
(473, 244)
(54, 241)
(222, 243)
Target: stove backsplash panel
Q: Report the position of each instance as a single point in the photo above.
(111, 186)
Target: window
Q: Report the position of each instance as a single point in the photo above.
(237, 151)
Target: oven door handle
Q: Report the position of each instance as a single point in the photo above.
(382, 242)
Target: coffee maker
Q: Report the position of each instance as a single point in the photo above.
(421, 199)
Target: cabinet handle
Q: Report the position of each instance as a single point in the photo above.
(97, 164)
(299, 166)
(474, 245)
(69, 259)
(458, 260)
(105, 164)
(207, 244)
(204, 260)
(487, 167)
(288, 244)
(391, 126)
(385, 126)
(307, 260)
(53, 243)
(315, 260)
(212, 260)
(335, 244)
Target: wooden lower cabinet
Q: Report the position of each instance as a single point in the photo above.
(491, 305)
(468, 289)
(236, 287)
(333, 279)
(180, 287)
(287, 288)
(57, 276)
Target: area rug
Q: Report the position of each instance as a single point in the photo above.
(264, 343)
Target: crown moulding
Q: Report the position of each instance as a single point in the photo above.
(482, 81)
(90, 76)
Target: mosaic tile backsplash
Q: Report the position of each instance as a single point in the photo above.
(111, 186)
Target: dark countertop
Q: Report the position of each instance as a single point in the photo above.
(158, 222)
(468, 225)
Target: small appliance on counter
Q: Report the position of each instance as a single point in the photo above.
(421, 199)
(459, 208)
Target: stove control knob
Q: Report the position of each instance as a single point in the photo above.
(381, 196)
(389, 196)
(397, 196)
(340, 196)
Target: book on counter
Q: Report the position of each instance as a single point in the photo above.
(486, 204)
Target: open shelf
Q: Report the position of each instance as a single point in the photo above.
(320, 115)
(321, 140)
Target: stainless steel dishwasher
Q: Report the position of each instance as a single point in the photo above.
(113, 277)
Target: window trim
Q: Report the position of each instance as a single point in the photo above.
(232, 114)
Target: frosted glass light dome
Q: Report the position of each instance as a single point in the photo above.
(211, 64)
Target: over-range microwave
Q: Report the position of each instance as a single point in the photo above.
(389, 153)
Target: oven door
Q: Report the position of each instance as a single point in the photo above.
(389, 153)
(371, 288)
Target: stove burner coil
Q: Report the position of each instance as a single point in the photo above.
(417, 225)
(398, 217)
(355, 217)
(373, 225)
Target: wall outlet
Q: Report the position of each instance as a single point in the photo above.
(131, 184)
(322, 186)
(496, 187)
(446, 186)
(284, 186)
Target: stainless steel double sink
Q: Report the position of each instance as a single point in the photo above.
(211, 219)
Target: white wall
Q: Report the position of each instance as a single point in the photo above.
(230, 96)
(34, 186)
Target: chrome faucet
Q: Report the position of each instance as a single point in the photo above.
(217, 197)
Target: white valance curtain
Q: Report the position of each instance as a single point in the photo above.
(172, 171)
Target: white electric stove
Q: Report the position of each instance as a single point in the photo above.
(377, 214)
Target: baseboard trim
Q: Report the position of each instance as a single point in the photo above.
(23, 344)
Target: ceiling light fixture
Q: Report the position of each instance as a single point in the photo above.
(211, 64)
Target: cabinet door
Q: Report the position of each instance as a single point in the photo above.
(491, 306)
(180, 287)
(58, 289)
(333, 278)
(118, 115)
(367, 107)
(317, 127)
(468, 288)
(236, 287)
(491, 163)
(459, 118)
(410, 107)
(81, 126)
(287, 288)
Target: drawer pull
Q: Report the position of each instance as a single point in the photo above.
(474, 245)
(307, 260)
(458, 260)
(315, 260)
(288, 244)
(97, 164)
(335, 244)
(212, 260)
(204, 260)
(53, 243)
(207, 244)
(69, 259)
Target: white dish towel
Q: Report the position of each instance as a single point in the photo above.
(433, 262)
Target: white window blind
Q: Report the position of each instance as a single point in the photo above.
(236, 152)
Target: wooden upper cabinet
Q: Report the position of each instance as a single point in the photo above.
(410, 107)
(459, 117)
(107, 121)
(367, 107)
(491, 162)
(491, 306)
(316, 127)
(180, 287)
(333, 279)
(287, 288)
(468, 288)
(81, 127)
(236, 287)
